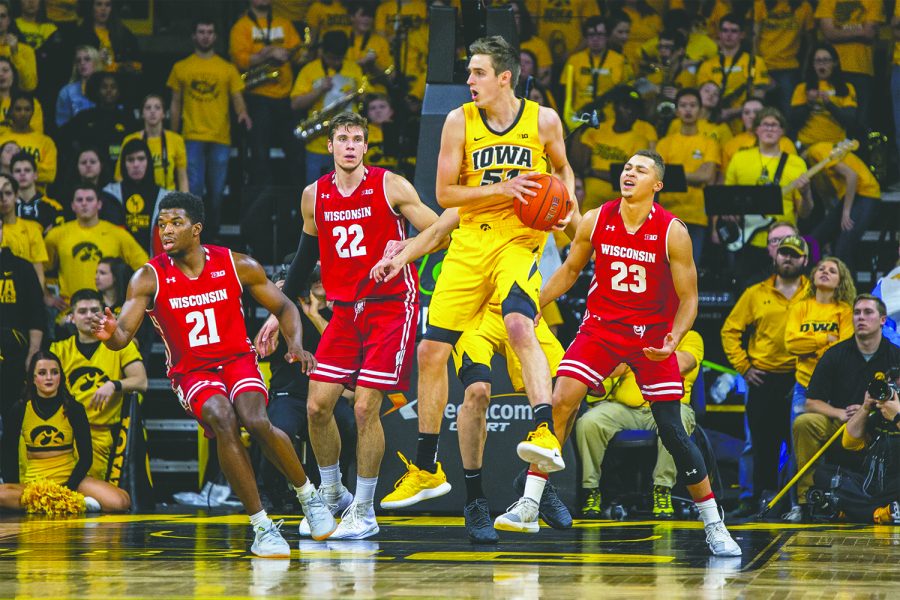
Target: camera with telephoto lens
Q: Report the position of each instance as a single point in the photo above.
(883, 386)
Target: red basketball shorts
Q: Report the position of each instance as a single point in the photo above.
(601, 345)
(229, 379)
(370, 344)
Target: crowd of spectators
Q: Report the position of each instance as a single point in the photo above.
(737, 92)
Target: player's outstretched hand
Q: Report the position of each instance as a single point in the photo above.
(393, 247)
(386, 269)
(103, 325)
(660, 354)
(521, 186)
(304, 357)
(267, 338)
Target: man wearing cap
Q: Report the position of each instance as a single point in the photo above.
(765, 363)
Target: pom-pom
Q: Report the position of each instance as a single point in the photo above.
(49, 498)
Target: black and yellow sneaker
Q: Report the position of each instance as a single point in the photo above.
(662, 503)
(591, 508)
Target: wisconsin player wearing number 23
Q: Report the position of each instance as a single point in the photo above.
(193, 293)
(349, 216)
(641, 303)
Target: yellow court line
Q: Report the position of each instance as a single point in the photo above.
(530, 557)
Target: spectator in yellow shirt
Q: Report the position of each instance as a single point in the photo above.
(818, 322)
(9, 84)
(782, 28)
(259, 38)
(760, 315)
(166, 147)
(561, 25)
(623, 407)
(529, 41)
(645, 23)
(327, 15)
(824, 106)
(23, 237)
(698, 47)
(35, 143)
(700, 156)
(20, 54)
(368, 49)
(411, 19)
(33, 24)
(202, 86)
(858, 194)
(852, 27)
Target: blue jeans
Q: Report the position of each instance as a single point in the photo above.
(895, 95)
(844, 244)
(207, 172)
(798, 401)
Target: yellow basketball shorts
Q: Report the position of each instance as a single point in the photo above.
(484, 258)
(473, 352)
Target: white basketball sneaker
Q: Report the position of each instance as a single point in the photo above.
(269, 543)
(357, 522)
(336, 497)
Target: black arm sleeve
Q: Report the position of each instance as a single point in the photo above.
(14, 428)
(845, 115)
(82, 431)
(302, 266)
(36, 316)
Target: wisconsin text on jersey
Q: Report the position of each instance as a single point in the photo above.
(347, 215)
(198, 299)
(623, 252)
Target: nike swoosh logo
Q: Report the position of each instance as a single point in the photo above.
(479, 139)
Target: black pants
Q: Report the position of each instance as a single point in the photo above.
(288, 413)
(850, 493)
(12, 385)
(273, 124)
(769, 417)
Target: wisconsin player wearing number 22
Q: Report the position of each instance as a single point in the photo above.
(193, 295)
(642, 301)
(349, 216)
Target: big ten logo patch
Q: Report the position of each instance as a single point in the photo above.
(135, 218)
(87, 252)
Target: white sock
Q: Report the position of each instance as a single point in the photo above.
(260, 520)
(534, 486)
(331, 475)
(305, 491)
(365, 489)
(709, 511)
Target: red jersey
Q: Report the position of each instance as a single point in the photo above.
(353, 232)
(201, 320)
(632, 280)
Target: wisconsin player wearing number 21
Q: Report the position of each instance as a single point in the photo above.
(641, 303)
(193, 295)
(349, 216)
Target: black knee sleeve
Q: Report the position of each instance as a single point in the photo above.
(688, 459)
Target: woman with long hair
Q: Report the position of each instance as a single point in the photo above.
(529, 41)
(72, 97)
(53, 426)
(166, 147)
(111, 280)
(819, 321)
(824, 106)
(103, 29)
(8, 149)
(9, 84)
(12, 45)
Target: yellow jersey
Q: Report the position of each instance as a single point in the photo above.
(809, 325)
(47, 434)
(690, 151)
(494, 156)
(820, 125)
(866, 184)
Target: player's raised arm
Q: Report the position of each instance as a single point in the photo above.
(429, 240)
(579, 254)
(448, 190)
(253, 278)
(115, 333)
(308, 250)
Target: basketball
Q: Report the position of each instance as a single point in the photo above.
(549, 206)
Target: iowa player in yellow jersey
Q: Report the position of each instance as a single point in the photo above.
(490, 150)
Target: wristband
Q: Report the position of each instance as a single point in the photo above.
(117, 384)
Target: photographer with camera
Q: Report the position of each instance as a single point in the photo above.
(837, 393)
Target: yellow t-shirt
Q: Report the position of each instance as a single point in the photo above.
(821, 126)
(782, 30)
(77, 250)
(176, 157)
(866, 184)
(414, 14)
(26, 65)
(37, 119)
(610, 69)
(720, 132)
(699, 47)
(248, 38)
(856, 57)
(607, 147)
(85, 375)
(35, 33)
(39, 146)
(746, 168)
(625, 390)
(292, 10)
(206, 86)
(747, 139)
(735, 92)
(25, 239)
(376, 45)
(491, 157)
(539, 48)
(328, 17)
(809, 324)
(344, 81)
(690, 151)
(643, 28)
(559, 23)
